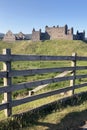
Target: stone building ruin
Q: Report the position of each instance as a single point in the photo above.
(20, 36)
(36, 35)
(59, 32)
(9, 36)
(51, 33)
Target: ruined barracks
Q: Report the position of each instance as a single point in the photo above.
(9, 36)
(51, 33)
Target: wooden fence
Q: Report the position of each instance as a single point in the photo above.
(7, 58)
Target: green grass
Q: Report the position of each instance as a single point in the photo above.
(70, 118)
(58, 116)
(53, 47)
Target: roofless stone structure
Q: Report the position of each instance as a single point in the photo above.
(51, 33)
(9, 36)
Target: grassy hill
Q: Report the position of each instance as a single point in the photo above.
(52, 47)
(49, 47)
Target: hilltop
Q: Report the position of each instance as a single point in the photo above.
(48, 47)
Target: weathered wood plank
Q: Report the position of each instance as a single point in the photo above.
(81, 58)
(3, 106)
(39, 57)
(13, 57)
(14, 73)
(33, 57)
(80, 85)
(4, 58)
(80, 67)
(43, 82)
(80, 76)
(3, 74)
(41, 71)
(38, 71)
(63, 74)
(44, 95)
(37, 83)
(33, 84)
(43, 86)
(33, 98)
(44, 57)
(4, 89)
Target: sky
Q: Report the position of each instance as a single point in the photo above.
(24, 15)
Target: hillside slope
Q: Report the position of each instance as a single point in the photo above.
(53, 47)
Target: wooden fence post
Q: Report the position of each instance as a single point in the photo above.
(73, 64)
(7, 82)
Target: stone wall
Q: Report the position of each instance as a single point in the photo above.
(10, 37)
(20, 36)
(51, 33)
(59, 32)
(36, 35)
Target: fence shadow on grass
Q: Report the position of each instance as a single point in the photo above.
(69, 121)
(72, 121)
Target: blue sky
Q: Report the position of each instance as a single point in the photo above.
(24, 15)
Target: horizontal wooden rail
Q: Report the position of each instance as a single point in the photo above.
(27, 85)
(45, 58)
(3, 106)
(44, 95)
(80, 67)
(42, 71)
(39, 58)
(43, 86)
(4, 58)
(32, 98)
(38, 71)
(30, 72)
(3, 74)
(13, 57)
(33, 84)
(80, 76)
(79, 58)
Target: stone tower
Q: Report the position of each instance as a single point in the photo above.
(36, 35)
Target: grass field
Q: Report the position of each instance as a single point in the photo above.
(53, 47)
(70, 118)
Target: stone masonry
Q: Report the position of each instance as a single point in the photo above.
(36, 35)
(9, 36)
(52, 33)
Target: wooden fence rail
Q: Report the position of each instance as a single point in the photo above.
(8, 73)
